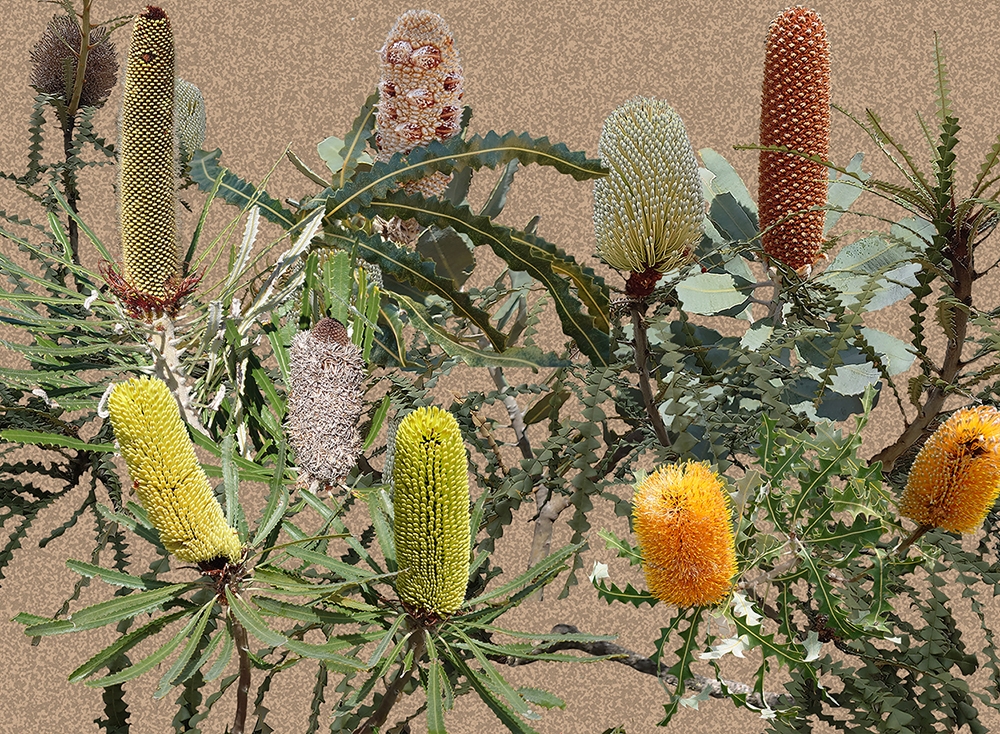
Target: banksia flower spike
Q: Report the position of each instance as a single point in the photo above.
(165, 472)
(955, 478)
(55, 56)
(682, 522)
(648, 211)
(420, 92)
(795, 112)
(327, 371)
(431, 503)
(189, 120)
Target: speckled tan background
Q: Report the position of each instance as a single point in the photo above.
(276, 73)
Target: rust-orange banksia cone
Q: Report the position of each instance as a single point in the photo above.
(956, 476)
(794, 112)
(681, 516)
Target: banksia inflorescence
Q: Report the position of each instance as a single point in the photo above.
(189, 120)
(648, 211)
(955, 478)
(431, 504)
(795, 113)
(682, 521)
(55, 56)
(327, 372)
(420, 92)
(165, 472)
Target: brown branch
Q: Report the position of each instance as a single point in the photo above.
(395, 688)
(641, 349)
(243, 687)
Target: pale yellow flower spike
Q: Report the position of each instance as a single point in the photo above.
(171, 485)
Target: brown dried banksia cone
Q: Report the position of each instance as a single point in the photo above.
(324, 406)
(955, 478)
(420, 92)
(795, 112)
(55, 56)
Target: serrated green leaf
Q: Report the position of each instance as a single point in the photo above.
(353, 151)
(205, 170)
(435, 674)
(629, 595)
(253, 622)
(169, 679)
(277, 501)
(116, 578)
(55, 440)
(542, 568)
(541, 698)
(377, 420)
(107, 612)
(450, 251)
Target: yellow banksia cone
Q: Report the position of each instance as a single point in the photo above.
(146, 158)
(955, 478)
(682, 521)
(795, 112)
(648, 211)
(431, 504)
(165, 472)
(420, 92)
(54, 60)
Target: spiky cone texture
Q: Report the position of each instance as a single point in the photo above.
(55, 56)
(431, 504)
(420, 92)
(681, 516)
(166, 474)
(955, 478)
(795, 112)
(146, 184)
(327, 372)
(189, 119)
(648, 211)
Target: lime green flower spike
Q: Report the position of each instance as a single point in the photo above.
(164, 469)
(431, 503)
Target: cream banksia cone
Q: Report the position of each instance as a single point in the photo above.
(420, 92)
(431, 504)
(681, 516)
(326, 372)
(648, 211)
(795, 112)
(955, 478)
(166, 474)
(189, 120)
(54, 61)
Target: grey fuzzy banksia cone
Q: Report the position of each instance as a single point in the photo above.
(795, 112)
(648, 211)
(326, 372)
(54, 60)
(431, 506)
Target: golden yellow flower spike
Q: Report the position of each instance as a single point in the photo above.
(168, 479)
(955, 478)
(682, 522)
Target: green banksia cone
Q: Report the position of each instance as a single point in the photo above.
(55, 56)
(431, 503)
(420, 92)
(648, 211)
(166, 474)
(146, 181)
(324, 406)
(189, 120)
(795, 112)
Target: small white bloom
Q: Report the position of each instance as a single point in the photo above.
(743, 607)
(812, 646)
(599, 573)
(894, 640)
(235, 308)
(767, 713)
(119, 328)
(734, 645)
(217, 400)
(39, 392)
(94, 295)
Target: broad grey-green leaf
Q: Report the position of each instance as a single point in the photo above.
(843, 191)
(896, 354)
(709, 293)
(852, 379)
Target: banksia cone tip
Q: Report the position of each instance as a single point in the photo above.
(54, 61)
(955, 478)
(420, 92)
(431, 503)
(648, 211)
(682, 522)
(146, 159)
(795, 112)
(189, 119)
(167, 477)
(327, 371)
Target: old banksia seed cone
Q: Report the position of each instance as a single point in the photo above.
(431, 504)
(166, 474)
(420, 92)
(955, 478)
(54, 60)
(682, 521)
(327, 371)
(648, 211)
(795, 112)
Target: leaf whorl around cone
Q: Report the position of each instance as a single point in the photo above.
(420, 92)
(431, 506)
(189, 119)
(648, 211)
(325, 403)
(170, 482)
(54, 60)
(795, 112)
(146, 157)
(331, 331)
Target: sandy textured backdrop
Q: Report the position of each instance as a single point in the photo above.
(279, 73)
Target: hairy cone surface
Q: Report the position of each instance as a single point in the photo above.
(54, 62)
(795, 112)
